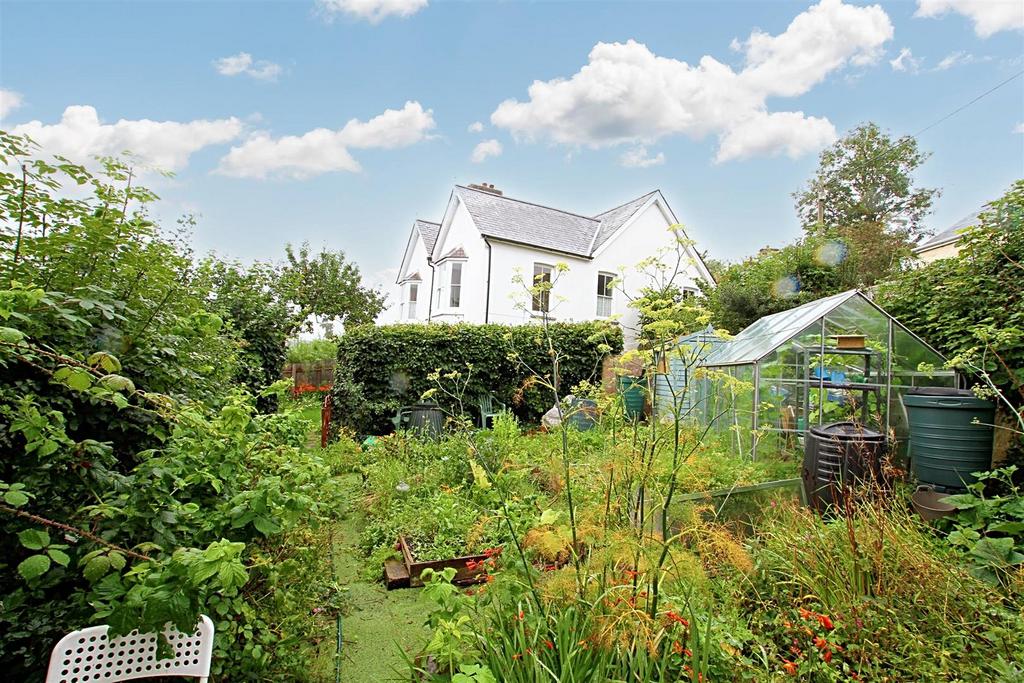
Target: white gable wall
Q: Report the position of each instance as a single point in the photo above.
(458, 230)
(640, 238)
(416, 263)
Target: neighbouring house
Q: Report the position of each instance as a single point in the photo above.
(463, 268)
(945, 244)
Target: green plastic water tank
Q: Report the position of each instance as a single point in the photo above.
(946, 445)
(632, 390)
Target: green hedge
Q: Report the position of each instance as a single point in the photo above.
(382, 368)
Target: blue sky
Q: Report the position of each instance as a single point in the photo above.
(727, 142)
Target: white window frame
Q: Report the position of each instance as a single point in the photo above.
(444, 289)
(690, 293)
(605, 302)
(541, 302)
(412, 296)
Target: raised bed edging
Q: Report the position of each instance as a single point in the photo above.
(464, 576)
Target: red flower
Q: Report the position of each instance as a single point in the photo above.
(521, 615)
(472, 565)
(806, 613)
(789, 667)
(630, 574)
(677, 647)
(549, 645)
(825, 622)
(827, 656)
(672, 616)
(820, 643)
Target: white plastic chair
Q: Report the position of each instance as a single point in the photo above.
(88, 656)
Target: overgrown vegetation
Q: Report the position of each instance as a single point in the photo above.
(383, 368)
(140, 484)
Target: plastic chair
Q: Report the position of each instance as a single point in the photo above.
(88, 656)
(490, 408)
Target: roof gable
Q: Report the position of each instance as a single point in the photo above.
(952, 233)
(613, 219)
(428, 232)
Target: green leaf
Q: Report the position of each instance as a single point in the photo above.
(963, 501)
(15, 498)
(11, 335)
(96, 568)
(34, 539)
(1012, 528)
(995, 551)
(34, 567)
(266, 526)
(108, 362)
(59, 556)
(117, 383)
(76, 378)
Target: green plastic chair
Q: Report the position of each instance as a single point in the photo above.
(490, 407)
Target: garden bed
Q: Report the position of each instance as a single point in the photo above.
(468, 568)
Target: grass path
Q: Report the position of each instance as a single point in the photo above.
(378, 623)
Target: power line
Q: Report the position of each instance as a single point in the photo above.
(964, 106)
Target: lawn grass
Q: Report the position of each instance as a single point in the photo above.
(378, 624)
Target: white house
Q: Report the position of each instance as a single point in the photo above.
(464, 267)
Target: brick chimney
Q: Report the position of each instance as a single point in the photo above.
(484, 187)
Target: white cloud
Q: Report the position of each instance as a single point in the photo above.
(487, 148)
(324, 150)
(770, 134)
(905, 61)
(476, 127)
(164, 144)
(9, 101)
(243, 63)
(959, 58)
(637, 157)
(989, 16)
(1019, 128)
(627, 94)
(373, 11)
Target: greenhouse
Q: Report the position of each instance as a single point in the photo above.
(837, 358)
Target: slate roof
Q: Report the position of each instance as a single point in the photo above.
(613, 219)
(950, 234)
(514, 220)
(428, 231)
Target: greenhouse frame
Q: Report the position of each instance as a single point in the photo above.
(838, 358)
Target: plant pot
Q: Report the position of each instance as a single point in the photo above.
(927, 502)
(850, 341)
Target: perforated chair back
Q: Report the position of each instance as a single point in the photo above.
(89, 656)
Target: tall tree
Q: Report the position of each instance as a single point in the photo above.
(864, 193)
(326, 286)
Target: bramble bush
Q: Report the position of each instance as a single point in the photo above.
(139, 484)
(382, 368)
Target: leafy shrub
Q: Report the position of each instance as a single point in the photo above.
(383, 368)
(971, 307)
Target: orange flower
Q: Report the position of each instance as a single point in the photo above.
(789, 667)
(820, 643)
(549, 645)
(516, 655)
(806, 613)
(825, 622)
(677, 647)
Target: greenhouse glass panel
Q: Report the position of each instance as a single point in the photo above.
(841, 358)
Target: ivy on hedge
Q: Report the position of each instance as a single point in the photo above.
(383, 368)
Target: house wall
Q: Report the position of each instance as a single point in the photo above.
(417, 264)
(574, 297)
(508, 298)
(945, 251)
(460, 231)
(642, 238)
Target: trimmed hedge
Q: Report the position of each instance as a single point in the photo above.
(383, 368)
